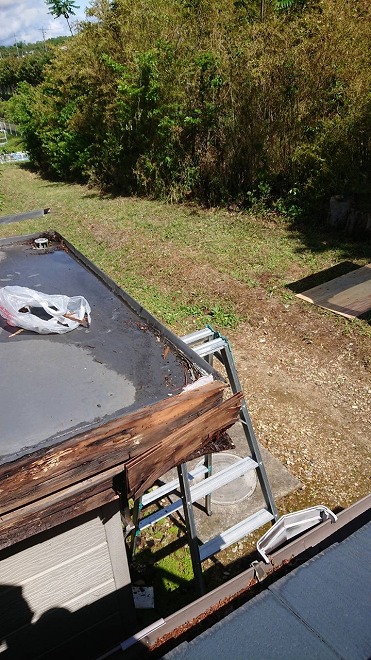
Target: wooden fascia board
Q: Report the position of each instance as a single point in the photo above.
(108, 446)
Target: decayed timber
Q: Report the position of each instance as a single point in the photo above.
(87, 454)
(57, 508)
(142, 471)
(44, 490)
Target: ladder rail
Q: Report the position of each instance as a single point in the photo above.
(219, 346)
(207, 343)
(249, 430)
(192, 339)
(191, 527)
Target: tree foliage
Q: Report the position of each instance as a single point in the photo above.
(65, 8)
(29, 68)
(200, 99)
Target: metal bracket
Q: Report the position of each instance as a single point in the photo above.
(260, 572)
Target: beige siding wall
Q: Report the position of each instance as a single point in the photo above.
(61, 574)
(69, 570)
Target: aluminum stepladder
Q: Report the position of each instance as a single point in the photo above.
(209, 343)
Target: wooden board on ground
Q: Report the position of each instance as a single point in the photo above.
(348, 295)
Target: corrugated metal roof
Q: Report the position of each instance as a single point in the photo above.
(319, 610)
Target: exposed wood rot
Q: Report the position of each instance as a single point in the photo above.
(49, 486)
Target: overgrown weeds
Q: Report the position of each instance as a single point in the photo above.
(201, 100)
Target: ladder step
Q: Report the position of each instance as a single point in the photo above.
(221, 478)
(170, 486)
(198, 335)
(159, 515)
(205, 487)
(235, 533)
(210, 347)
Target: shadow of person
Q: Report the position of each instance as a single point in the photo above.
(19, 637)
(50, 631)
(15, 621)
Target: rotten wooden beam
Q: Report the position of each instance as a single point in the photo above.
(51, 470)
(143, 470)
(57, 508)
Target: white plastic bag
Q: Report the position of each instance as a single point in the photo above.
(65, 313)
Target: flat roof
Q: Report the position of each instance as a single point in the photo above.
(54, 386)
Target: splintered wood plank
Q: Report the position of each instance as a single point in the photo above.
(348, 295)
(108, 446)
(142, 471)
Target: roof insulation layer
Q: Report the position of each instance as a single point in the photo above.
(319, 610)
(54, 386)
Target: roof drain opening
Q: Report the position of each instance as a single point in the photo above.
(41, 243)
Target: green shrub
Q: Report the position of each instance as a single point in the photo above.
(201, 100)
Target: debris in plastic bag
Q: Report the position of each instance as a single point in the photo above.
(43, 313)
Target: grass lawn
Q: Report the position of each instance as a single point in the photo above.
(189, 266)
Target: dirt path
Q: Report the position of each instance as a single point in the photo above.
(308, 388)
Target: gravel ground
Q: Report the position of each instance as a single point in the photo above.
(307, 380)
